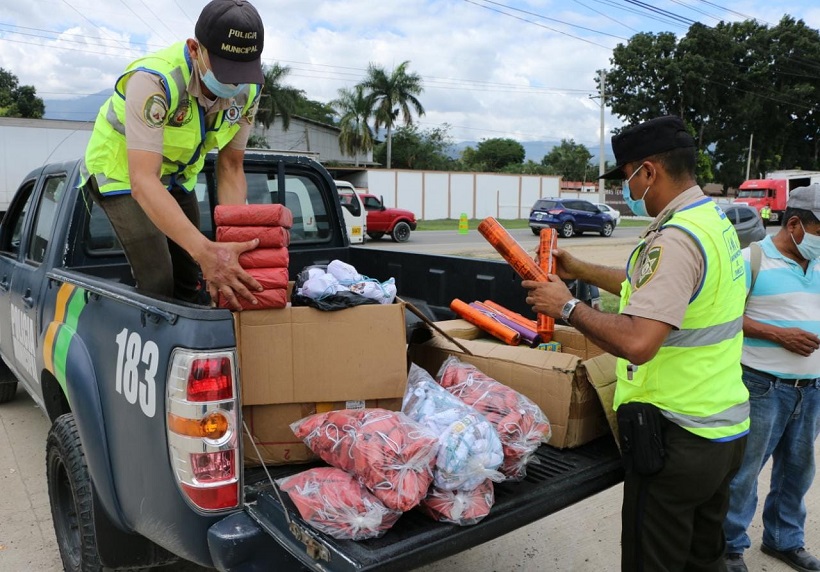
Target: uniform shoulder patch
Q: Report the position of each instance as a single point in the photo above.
(155, 110)
(651, 261)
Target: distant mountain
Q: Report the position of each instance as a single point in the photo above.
(78, 109)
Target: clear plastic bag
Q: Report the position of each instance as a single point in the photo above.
(336, 503)
(459, 507)
(520, 423)
(469, 450)
(391, 454)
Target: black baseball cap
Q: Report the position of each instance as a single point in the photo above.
(646, 139)
(233, 34)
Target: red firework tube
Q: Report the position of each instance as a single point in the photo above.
(265, 258)
(269, 236)
(512, 252)
(514, 316)
(546, 325)
(495, 329)
(253, 215)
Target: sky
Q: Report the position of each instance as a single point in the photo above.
(507, 68)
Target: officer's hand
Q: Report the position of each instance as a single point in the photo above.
(567, 266)
(798, 341)
(223, 274)
(547, 297)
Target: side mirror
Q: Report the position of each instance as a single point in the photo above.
(381, 205)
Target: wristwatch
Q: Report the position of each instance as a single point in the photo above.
(568, 308)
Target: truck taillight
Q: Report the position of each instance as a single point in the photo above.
(202, 422)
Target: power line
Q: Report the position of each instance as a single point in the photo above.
(605, 16)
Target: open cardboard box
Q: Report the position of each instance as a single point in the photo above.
(559, 383)
(297, 361)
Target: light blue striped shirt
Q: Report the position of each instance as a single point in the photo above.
(786, 297)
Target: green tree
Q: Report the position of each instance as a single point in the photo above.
(315, 110)
(569, 159)
(494, 154)
(393, 96)
(276, 98)
(420, 149)
(354, 107)
(18, 100)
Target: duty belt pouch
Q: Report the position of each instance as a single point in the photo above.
(641, 432)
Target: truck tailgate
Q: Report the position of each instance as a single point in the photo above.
(559, 479)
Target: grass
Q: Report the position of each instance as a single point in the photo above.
(609, 302)
(508, 223)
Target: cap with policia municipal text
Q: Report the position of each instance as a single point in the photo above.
(233, 34)
(646, 139)
(806, 198)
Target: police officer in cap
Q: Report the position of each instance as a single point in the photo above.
(683, 411)
(149, 143)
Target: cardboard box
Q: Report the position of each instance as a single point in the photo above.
(297, 361)
(303, 355)
(558, 382)
(276, 443)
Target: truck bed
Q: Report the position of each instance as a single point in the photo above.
(557, 479)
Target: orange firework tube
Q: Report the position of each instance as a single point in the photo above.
(512, 252)
(495, 329)
(546, 325)
(514, 316)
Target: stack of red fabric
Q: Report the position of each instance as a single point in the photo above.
(268, 263)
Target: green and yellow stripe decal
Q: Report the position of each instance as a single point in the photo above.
(70, 304)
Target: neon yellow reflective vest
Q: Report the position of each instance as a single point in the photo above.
(695, 378)
(186, 139)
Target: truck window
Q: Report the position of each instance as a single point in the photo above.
(45, 217)
(372, 204)
(14, 220)
(100, 237)
(205, 221)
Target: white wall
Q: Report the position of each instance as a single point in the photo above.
(437, 194)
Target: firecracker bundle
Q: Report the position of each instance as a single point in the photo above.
(459, 507)
(268, 263)
(392, 455)
(520, 423)
(336, 503)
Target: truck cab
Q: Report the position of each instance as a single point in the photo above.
(355, 216)
(383, 220)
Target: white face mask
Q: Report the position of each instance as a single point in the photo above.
(809, 247)
(219, 89)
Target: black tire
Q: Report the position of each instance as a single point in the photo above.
(375, 235)
(567, 230)
(8, 384)
(71, 496)
(536, 231)
(401, 232)
(607, 230)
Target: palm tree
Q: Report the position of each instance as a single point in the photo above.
(392, 96)
(276, 98)
(354, 108)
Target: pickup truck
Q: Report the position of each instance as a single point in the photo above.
(127, 381)
(382, 220)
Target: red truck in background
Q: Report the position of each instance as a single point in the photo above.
(774, 190)
(382, 220)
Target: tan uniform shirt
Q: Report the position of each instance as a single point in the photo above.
(669, 269)
(141, 129)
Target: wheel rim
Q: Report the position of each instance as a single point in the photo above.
(402, 232)
(567, 230)
(607, 229)
(67, 522)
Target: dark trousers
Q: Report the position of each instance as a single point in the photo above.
(159, 265)
(673, 520)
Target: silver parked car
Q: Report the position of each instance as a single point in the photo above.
(613, 212)
(747, 222)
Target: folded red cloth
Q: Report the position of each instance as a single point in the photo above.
(253, 215)
(273, 298)
(269, 236)
(270, 278)
(265, 258)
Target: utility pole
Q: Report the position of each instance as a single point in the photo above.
(601, 160)
(749, 159)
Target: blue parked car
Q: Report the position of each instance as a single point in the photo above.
(570, 217)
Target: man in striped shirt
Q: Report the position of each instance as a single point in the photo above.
(781, 366)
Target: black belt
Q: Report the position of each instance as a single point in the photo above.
(804, 382)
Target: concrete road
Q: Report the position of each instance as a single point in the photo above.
(583, 537)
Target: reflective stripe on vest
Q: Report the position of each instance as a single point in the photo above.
(695, 377)
(186, 139)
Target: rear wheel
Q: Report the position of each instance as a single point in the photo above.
(607, 230)
(69, 489)
(375, 235)
(567, 229)
(8, 384)
(401, 232)
(535, 231)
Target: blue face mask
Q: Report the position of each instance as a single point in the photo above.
(809, 247)
(219, 89)
(637, 207)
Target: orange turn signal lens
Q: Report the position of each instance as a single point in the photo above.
(213, 426)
